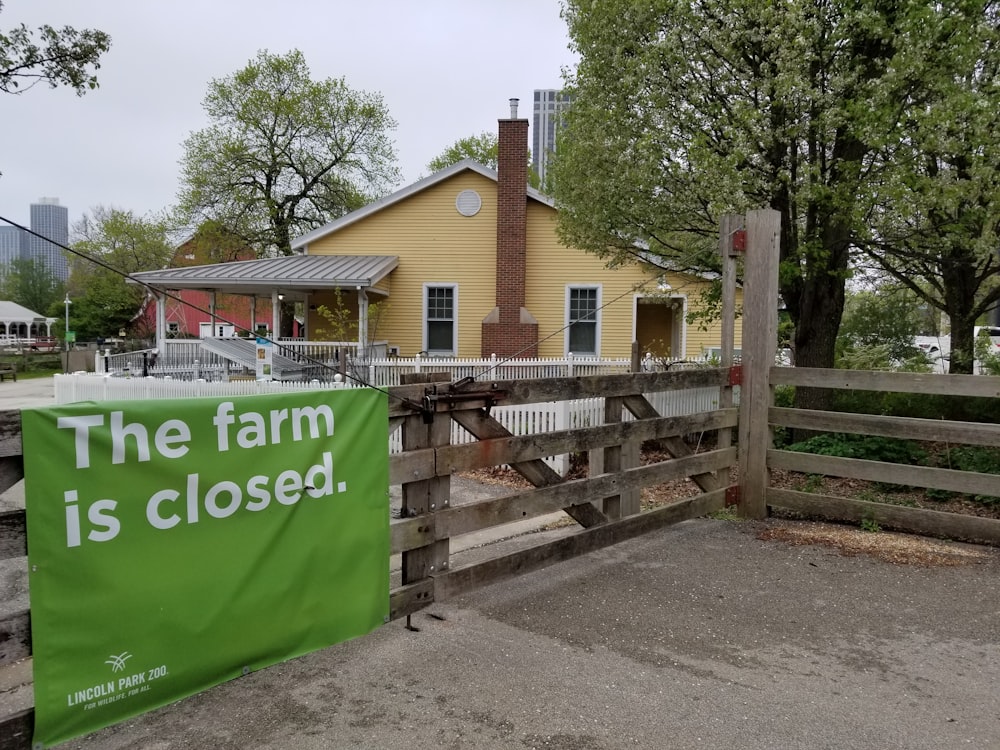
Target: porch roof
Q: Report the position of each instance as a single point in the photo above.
(293, 276)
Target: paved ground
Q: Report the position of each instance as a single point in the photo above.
(699, 636)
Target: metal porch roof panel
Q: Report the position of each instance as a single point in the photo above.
(297, 271)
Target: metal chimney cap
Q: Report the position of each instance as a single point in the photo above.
(513, 108)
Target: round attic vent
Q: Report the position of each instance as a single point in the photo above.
(468, 203)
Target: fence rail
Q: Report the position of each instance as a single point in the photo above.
(919, 520)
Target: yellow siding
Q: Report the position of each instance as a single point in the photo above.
(435, 244)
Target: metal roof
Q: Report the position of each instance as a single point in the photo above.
(297, 273)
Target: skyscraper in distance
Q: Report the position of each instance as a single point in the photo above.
(50, 220)
(11, 240)
(549, 106)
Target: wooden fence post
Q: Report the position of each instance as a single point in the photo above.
(427, 496)
(729, 225)
(760, 343)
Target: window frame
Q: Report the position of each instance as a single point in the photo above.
(570, 289)
(425, 319)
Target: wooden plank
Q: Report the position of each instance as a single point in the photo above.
(611, 460)
(907, 428)
(535, 471)
(425, 497)
(410, 533)
(16, 730)
(985, 386)
(13, 534)
(469, 577)
(411, 466)
(640, 408)
(15, 637)
(760, 341)
(10, 432)
(406, 600)
(406, 399)
(508, 450)
(463, 519)
(897, 517)
(964, 482)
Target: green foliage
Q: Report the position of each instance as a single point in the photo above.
(987, 354)
(285, 154)
(102, 301)
(483, 148)
(882, 321)
(869, 524)
(935, 229)
(58, 57)
(981, 459)
(868, 447)
(30, 283)
(685, 111)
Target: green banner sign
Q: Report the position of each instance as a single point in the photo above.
(177, 544)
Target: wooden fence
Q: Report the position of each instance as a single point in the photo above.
(604, 504)
(916, 520)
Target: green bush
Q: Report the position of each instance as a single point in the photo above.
(868, 447)
(976, 458)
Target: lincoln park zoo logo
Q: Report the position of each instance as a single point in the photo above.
(125, 685)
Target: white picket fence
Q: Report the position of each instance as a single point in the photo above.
(526, 419)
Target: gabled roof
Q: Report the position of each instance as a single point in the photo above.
(440, 176)
(297, 273)
(14, 311)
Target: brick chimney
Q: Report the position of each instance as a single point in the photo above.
(510, 329)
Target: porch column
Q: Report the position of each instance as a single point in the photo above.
(362, 322)
(161, 320)
(253, 315)
(211, 311)
(275, 315)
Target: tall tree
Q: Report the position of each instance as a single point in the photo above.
(685, 111)
(484, 148)
(936, 223)
(59, 57)
(285, 154)
(103, 303)
(30, 283)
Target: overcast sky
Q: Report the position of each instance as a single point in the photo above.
(445, 69)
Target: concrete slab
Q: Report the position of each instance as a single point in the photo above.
(699, 636)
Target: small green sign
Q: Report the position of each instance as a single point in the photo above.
(71, 336)
(183, 543)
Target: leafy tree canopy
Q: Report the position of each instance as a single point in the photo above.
(285, 154)
(103, 303)
(484, 148)
(683, 112)
(30, 283)
(59, 57)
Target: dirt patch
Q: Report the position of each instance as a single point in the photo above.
(889, 547)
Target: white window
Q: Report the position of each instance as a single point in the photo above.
(583, 332)
(440, 319)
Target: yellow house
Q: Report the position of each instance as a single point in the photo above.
(481, 271)
(466, 263)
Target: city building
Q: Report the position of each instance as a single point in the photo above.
(11, 240)
(549, 106)
(51, 220)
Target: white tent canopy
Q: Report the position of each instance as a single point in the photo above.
(19, 322)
